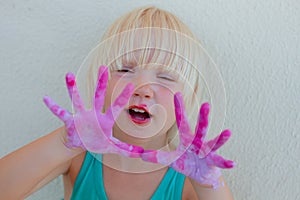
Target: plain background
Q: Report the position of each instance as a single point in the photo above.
(255, 44)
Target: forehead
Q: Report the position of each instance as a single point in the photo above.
(149, 57)
(162, 61)
(149, 42)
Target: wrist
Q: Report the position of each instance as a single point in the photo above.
(205, 178)
(207, 191)
(73, 151)
(217, 183)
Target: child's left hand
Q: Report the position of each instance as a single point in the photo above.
(195, 157)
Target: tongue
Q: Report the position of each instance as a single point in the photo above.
(140, 116)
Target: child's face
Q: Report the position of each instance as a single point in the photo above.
(150, 111)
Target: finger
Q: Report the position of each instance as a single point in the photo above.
(202, 123)
(126, 149)
(159, 156)
(196, 143)
(182, 121)
(150, 156)
(101, 88)
(61, 113)
(220, 162)
(115, 109)
(74, 93)
(220, 140)
(129, 150)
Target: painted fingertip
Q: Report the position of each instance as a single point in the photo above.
(102, 69)
(226, 133)
(150, 156)
(46, 100)
(70, 79)
(136, 149)
(229, 164)
(205, 107)
(178, 96)
(234, 164)
(178, 99)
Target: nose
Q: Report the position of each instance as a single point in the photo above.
(143, 81)
(144, 91)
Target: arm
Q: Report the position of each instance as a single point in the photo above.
(25, 170)
(206, 192)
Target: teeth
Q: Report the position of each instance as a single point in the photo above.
(138, 110)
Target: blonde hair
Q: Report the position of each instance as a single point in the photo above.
(161, 38)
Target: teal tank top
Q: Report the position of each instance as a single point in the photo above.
(89, 183)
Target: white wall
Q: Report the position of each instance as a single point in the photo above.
(254, 43)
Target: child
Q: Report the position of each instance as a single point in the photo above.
(125, 145)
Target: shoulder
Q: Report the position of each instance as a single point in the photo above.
(188, 192)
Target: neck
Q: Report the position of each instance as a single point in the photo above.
(129, 165)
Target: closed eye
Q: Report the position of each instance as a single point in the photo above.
(166, 77)
(124, 70)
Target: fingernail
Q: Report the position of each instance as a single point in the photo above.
(70, 79)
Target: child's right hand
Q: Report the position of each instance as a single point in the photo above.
(91, 129)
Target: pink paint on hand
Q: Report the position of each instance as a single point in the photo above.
(150, 156)
(91, 129)
(198, 159)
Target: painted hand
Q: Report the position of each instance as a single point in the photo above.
(194, 157)
(91, 129)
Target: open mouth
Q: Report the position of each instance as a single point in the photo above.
(139, 114)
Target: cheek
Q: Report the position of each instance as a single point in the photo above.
(108, 100)
(171, 112)
(167, 101)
